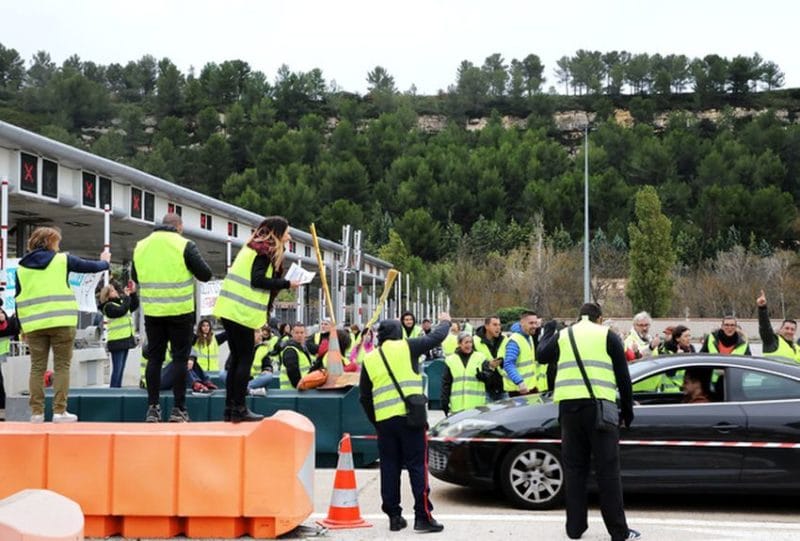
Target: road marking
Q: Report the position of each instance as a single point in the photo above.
(558, 517)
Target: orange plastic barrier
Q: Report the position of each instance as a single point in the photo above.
(40, 515)
(161, 480)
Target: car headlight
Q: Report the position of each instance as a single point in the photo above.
(465, 425)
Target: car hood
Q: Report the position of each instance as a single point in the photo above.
(502, 419)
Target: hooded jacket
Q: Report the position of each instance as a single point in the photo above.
(41, 258)
(392, 329)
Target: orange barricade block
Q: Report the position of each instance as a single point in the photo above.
(40, 515)
(161, 480)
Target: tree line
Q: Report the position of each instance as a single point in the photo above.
(431, 202)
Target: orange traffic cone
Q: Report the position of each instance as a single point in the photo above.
(343, 511)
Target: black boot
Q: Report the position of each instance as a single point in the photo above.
(242, 414)
(397, 523)
(427, 525)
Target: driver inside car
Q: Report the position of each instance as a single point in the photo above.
(696, 386)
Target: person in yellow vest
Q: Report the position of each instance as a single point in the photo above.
(490, 340)
(8, 327)
(48, 315)
(519, 362)
(450, 343)
(317, 343)
(261, 373)
(583, 442)
(295, 358)
(121, 337)
(727, 340)
(461, 388)
(639, 343)
(165, 265)
(244, 303)
(400, 445)
(780, 343)
(207, 344)
(410, 327)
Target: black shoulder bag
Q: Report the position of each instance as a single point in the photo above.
(607, 417)
(416, 404)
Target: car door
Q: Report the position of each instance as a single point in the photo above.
(771, 402)
(701, 459)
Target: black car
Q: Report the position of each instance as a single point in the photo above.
(746, 439)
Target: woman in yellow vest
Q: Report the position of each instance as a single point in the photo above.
(48, 313)
(461, 388)
(207, 344)
(244, 303)
(118, 312)
(261, 373)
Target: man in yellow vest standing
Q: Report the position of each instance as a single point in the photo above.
(591, 367)
(164, 266)
(727, 340)
(395, 363)
(519, 361)
(780, 344)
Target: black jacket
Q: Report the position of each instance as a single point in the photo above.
(291, 363)
(117, 308)
(548, 353)
(391, 329)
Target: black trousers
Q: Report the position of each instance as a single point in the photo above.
(400, 446)
(177, 332)
(2, 390)
(242, 345)
(580, 443)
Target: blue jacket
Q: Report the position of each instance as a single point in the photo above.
(512, 352)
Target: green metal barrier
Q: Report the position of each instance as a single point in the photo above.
(434, 370)
(332, 412)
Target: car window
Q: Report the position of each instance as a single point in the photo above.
(764, 386)
(666, 386)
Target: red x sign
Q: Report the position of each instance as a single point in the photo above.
(28, 174)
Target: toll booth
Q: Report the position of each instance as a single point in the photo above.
(97, 202)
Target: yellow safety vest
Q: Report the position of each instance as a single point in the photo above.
(481, 346)
(526, 362)
(785, 350)
(385, 398)
(208, 354)
(238, 301)
(258, 356)
(416, 332)
(449, 344)
(590, 339)
(303, 364)
(166, 286)
(467, 391)
(46, 300)
(5, 347)
(119, 328)
(738, 350)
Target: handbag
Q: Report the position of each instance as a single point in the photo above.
(606, 412)
(416, 404)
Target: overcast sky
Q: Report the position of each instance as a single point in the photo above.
(418, 42)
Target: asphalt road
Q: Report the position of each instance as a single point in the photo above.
(468, 514)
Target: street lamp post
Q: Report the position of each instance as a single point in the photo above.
(586, 274)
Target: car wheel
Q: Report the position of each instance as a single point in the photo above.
(532, 477)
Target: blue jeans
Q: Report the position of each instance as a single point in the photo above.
(261, 380)
(118, 359)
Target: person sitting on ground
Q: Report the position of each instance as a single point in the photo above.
(207, 343)
(295, 358)
(193, 380)
(776, 344)
(261, 371)
(696, 386)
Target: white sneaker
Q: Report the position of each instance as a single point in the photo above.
(65, 417)
(258, 391)
(38, 418)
